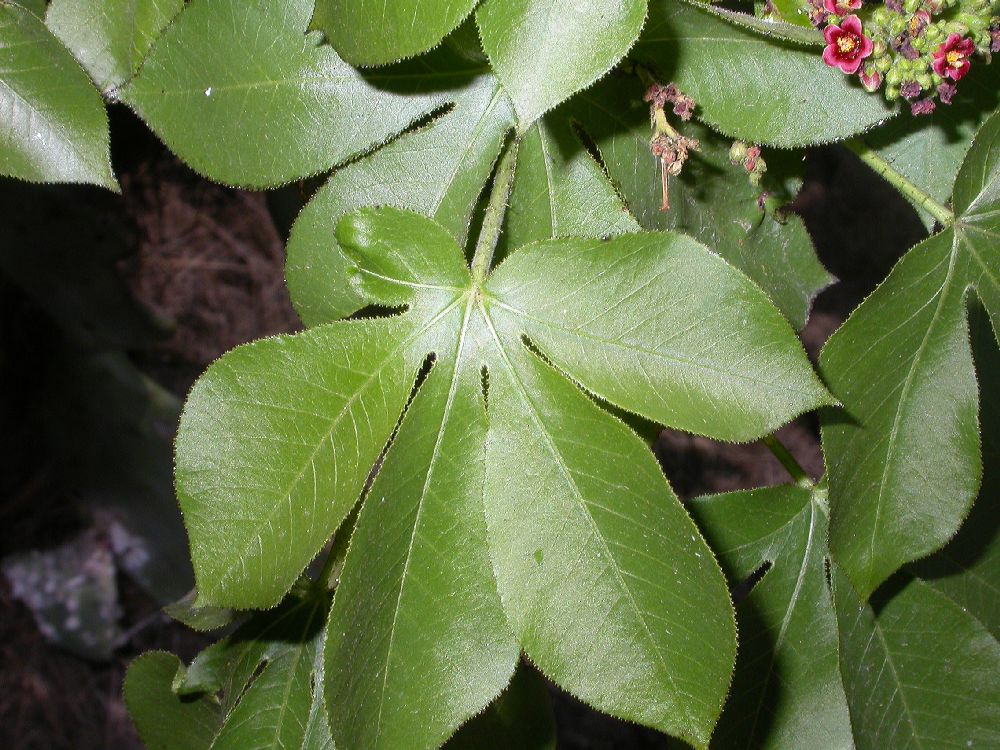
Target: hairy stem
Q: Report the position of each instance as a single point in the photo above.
(787, 460)
(940, 212)
(489, 235)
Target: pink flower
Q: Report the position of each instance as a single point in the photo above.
(951, 59)
(841, 7)
(846, 45)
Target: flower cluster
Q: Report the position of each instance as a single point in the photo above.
(915, 50)
(750, 159)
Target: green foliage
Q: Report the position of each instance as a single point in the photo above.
(786, 689)
(54, 128)
(110, 38)
(343, 385)
(904, 458)
(257, 80)
(752, 86)
(165, 720)
(534, 46)
(919, 671)
(494, 292)
(377, 32)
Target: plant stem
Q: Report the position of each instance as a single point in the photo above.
(920, 197)
(489, 235)
(787, 460)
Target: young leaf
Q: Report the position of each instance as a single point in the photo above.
(918, 670)
(110, 38)
(266, 679)
(710, 200)
(751, 86)
(545, 50)
(165, 720)
(376, 32)
(54, 127)
(520, 718)
(787, 689)
(904, 461)
(242, 95)
(438, 170)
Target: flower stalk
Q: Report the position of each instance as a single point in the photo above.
(941, 213)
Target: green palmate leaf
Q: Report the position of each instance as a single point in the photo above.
(242, 95)
(376, 32)
(438, 170)
(313, 413)
(967, 570)
(165, 720)
(545, 50)
(521, 717)
(930, 151)
(751, 86)
(711, 200)
(717, 359)
(787, 690)
(110, 38)
(53, 126)
(919, 671)
(904, 460)
(417, 619)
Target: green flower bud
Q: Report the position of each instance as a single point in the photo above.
(738, 152)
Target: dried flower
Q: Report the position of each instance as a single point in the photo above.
(922, 107)
(946, 91)
(846, 45)
(910, 90)
(951, 59)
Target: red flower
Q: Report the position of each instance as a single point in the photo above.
(841, 7)
(951, 59)
(846, 45)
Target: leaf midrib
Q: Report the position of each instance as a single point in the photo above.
(668, 358)
(564, 470)
(435, 454)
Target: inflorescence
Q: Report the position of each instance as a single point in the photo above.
(915, 50)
